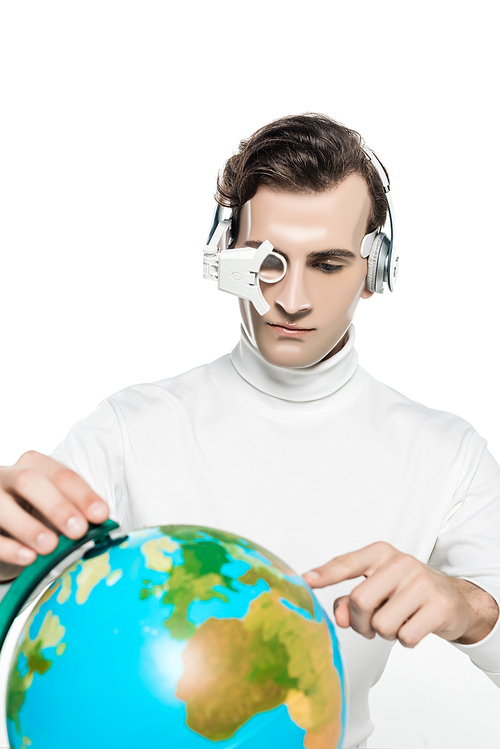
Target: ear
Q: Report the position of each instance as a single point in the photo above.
(365, 294)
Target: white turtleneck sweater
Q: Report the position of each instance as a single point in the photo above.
(310, 463)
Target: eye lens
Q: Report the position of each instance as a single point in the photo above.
(272, 269)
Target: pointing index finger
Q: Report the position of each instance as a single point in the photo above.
(348, 566)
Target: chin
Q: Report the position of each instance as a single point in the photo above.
(290, 356)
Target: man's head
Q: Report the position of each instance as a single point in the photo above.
(305, 184)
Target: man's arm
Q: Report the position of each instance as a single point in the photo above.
(40, 498)
(402, 598)
(43, 496)
(455, 595)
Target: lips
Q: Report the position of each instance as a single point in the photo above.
(289, 330)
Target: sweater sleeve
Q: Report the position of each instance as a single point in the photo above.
(468, 545)
(93, 448)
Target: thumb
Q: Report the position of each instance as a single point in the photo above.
(341, 612)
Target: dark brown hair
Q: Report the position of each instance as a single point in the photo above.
(299, 153)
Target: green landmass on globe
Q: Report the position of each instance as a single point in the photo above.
(235, 663)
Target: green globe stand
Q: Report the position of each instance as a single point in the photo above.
(31, 577)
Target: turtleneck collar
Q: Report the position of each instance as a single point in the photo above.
(308, 384)
(325, 388)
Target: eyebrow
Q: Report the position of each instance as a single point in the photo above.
(313, 255)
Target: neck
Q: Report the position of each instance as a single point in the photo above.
(304, 384)
(340, 345)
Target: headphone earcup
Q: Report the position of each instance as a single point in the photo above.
(377, 260)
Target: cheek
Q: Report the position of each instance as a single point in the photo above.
(268, 291)
(252, 321)
(343, 296)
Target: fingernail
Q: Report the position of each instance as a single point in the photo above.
(25, 556)
(98, 511)
(76, 526)
(45, 541)
(312, 575)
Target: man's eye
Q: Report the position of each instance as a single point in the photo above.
(328, 267)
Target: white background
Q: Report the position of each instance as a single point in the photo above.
(115, 120)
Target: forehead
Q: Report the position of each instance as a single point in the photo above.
(337, 217)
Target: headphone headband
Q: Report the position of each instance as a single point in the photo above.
(378, 166)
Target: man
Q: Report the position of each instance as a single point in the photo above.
(288, 441)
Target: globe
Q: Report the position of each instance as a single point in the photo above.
(177, 636)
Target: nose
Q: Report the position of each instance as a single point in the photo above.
(291, 293)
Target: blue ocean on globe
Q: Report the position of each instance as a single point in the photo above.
(179, 636)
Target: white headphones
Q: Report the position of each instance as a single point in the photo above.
(239, 270)
(383, 261)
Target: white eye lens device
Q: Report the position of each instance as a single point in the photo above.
(239, 271)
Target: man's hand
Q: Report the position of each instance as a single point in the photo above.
(40, 498)
(405, 599)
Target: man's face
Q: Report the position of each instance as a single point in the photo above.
(320, 235)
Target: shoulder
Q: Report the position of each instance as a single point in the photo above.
(171, 392)
(397, 413)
